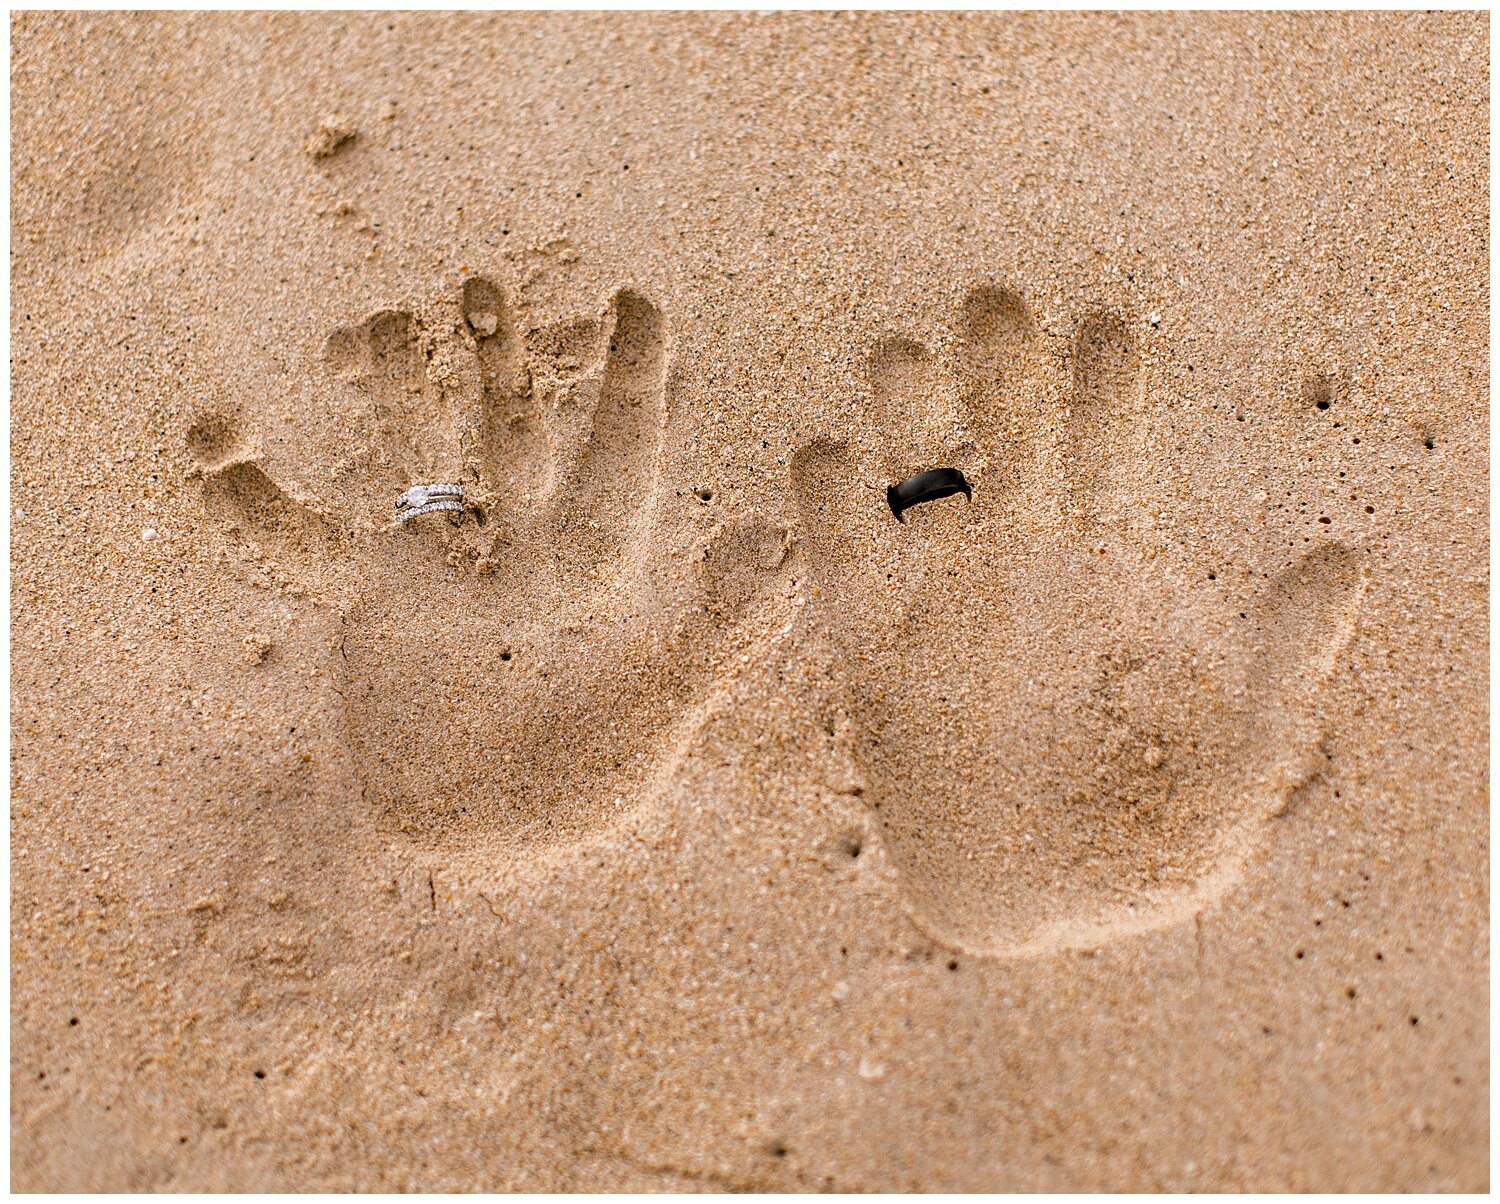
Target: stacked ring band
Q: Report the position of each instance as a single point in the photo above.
(425, 499)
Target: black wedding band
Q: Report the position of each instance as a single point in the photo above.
(927, 487)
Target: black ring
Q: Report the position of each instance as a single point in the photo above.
(927, 487)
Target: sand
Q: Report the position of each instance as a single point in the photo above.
(672, 818)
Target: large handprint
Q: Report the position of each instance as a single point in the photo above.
(1064, 737)
(514, 673)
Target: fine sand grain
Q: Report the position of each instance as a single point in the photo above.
(672, 817)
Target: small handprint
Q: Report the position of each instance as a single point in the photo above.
(515, 673)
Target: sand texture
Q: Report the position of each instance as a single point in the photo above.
(671, 817)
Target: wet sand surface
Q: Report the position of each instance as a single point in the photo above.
(671, 817)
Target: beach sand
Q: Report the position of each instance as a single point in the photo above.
(672, 818)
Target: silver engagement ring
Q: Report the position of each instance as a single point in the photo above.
(424, 499)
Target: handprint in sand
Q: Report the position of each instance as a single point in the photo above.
(513, 674)
(1063, 737)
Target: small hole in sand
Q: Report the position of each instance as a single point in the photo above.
(505, 656)
(1350, 992)
(1301, 954)
(852, 845)
(1413, 1020)
(1429, 444)
(705, 495)
(73, 1022)
(1319, 391)
(778, 1150)
(953, 965)
(260, 1074)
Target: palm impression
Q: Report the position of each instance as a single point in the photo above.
(513, 673)
(1063, 737)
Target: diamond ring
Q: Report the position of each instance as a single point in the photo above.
(424, 499)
